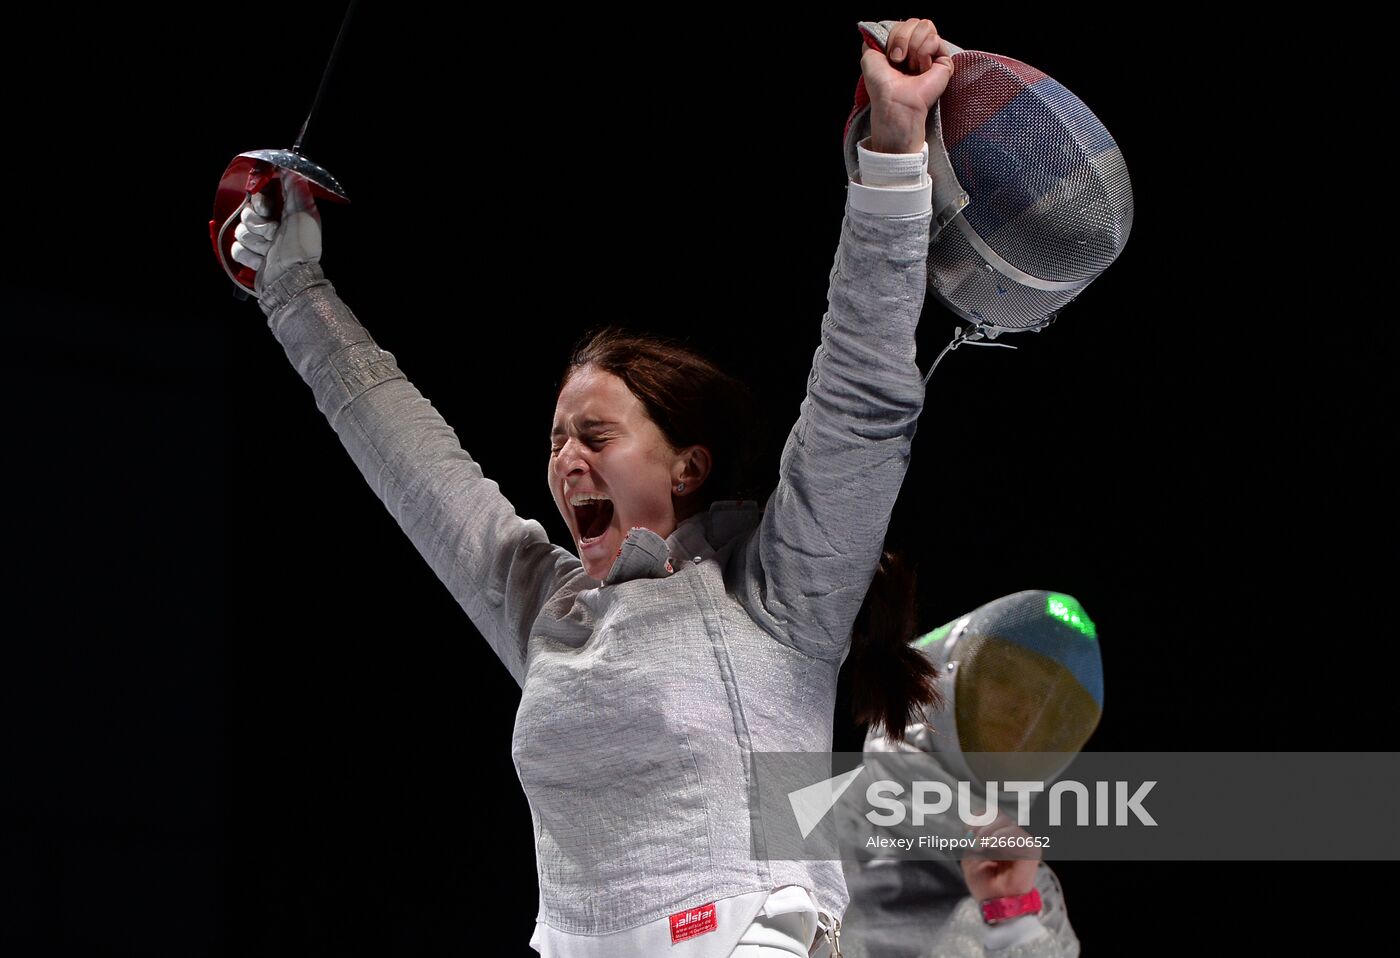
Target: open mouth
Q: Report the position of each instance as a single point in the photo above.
(593, 513)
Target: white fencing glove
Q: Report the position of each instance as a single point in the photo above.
(271, 246)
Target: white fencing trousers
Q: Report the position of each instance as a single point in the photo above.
(782, 936)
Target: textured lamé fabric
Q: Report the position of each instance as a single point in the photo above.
(644, 694)
(1030, 664)
(922, 909)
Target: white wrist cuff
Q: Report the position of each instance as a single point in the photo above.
(891, 169)
(891, 184)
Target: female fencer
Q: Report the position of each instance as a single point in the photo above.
(690, 629)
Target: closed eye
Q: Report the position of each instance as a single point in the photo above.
(593, 442)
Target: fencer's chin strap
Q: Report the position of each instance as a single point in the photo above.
(962, 337)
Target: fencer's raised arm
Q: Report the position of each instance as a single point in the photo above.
(846, 457)
(500, 568)
(824, 526)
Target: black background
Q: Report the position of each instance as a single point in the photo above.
(241, 716)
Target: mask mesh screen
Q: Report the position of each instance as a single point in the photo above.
(1049, 192)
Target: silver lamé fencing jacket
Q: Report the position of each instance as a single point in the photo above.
(643, 695)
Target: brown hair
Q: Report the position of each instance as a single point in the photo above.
(691, 400)
(694, 402)
(892, 683)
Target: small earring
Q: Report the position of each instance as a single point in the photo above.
(680, 487)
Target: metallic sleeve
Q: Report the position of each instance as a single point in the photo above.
(499, 567)
(823, 528)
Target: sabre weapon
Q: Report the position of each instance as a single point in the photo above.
(254, 171)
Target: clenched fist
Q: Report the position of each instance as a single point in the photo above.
(270, 245)
(904, 82)
(1013, 874)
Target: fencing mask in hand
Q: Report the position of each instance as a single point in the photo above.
(1031, 197)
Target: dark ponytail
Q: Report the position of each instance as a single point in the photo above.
(892, 683)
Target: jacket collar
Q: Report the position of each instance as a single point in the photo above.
(645, 555)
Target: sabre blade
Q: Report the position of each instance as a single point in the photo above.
(325, 75)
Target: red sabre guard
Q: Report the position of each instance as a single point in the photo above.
(253, 171)
(250, 173)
